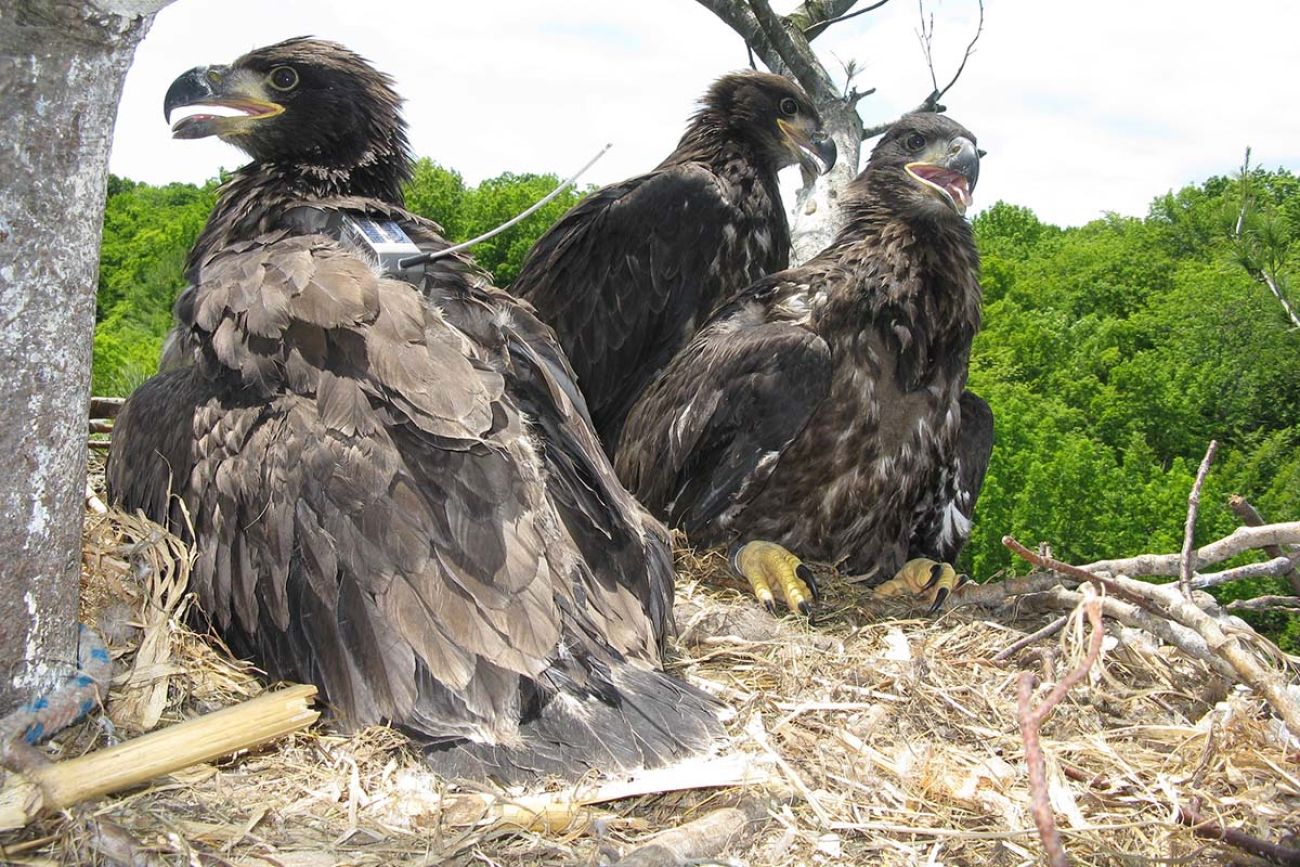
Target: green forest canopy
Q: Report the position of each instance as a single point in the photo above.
(1111, 353)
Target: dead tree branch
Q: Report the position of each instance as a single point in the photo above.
(926, 36)
(1275, 568)
(813, 18)
(1031, 720)
(793, 48)
(1251, 517)
(106, 407)
(1242, 539)
(1223, 640)
(1187, 561)
(996, 593)
(1265, 603)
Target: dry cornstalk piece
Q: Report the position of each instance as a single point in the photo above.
(1226, 644)
(728, 827)
(1031, 720)
(570, 810)
(59, 785)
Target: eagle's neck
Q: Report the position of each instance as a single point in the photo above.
(254, 197)
(915, 282)
(712, 141)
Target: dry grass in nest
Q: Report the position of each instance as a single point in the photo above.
(888, 738)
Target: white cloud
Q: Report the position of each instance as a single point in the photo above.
(1084, 107)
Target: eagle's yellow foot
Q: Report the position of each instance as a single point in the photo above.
(928, 579)
(768, 566)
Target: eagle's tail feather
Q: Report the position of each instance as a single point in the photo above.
(652, 720)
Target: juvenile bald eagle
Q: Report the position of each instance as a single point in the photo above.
(820, 413)
(627, 276)
(394, 490)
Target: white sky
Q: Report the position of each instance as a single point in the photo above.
(1085, 106)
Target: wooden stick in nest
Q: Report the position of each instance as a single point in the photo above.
(1265, 603)
(1224, 640)
(59, 785)
(1187, 560)
(1031, 720)
(1251, 517)
(1213, 830)
(1240, 540)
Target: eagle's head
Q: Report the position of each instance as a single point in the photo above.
(305, 102)
(925, 165)
(775, 116)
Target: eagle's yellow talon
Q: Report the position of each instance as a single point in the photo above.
(934, 582)
(766, 565)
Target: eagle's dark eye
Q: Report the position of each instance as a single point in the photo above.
(284, 78)
(915, 141)
(789, 107)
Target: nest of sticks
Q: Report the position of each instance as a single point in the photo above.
(876, 735)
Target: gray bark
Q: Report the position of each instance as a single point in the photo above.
(62, 65)
(816, 217)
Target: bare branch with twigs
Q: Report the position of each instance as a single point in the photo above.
(926, 36)
(1188, 641)
(931, 103)
(813, 18)
(794, 50)
(1275, 568)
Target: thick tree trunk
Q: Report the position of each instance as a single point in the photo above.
(62, 65)
(816, 218)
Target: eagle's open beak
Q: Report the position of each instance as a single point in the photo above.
(950, 170)
(240, 101)
(815, 149)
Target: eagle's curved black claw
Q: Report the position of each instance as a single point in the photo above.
(931, 580)
(806, 576)
(767, 566)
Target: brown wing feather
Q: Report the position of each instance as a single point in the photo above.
(373, 514)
